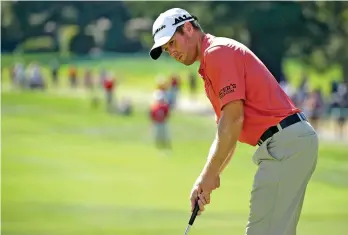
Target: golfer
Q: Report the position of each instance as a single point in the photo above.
(250, 108)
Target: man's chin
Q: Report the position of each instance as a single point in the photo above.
(188, 63)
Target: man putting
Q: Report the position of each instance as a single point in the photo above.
(250, 108)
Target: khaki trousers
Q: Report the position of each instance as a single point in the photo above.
(286, 162)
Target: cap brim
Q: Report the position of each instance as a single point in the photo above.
(156, 50)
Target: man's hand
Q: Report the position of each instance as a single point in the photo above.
(202, 189)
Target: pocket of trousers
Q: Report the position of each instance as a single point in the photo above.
(262, 154)
(281, 149)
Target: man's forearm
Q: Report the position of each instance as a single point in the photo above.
(228, 159)
(227, 136)
(212, 151)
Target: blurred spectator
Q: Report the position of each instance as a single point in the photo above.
(162, 85)
(342, 89)
(159, 114)
(36, 80)
(193, 85)
(88, 79)
(73, 76)
(125, 107)
(335, 99)
(55, 71)
(313, 107)
(102, 77)
(303, 89)
(12, 75)
(288, 89)
(109, 85)
(334, 86)
(339, 107)
(18, 76)
(173, 90)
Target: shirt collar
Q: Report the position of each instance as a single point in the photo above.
(207, 40)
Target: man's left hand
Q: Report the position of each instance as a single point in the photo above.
(202, 189)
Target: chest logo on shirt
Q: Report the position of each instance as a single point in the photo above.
(227, 90)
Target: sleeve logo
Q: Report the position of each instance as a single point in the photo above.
(226, 90)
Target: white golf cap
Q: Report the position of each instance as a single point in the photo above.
(165, 26)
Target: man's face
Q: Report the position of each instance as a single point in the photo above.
(182, 46)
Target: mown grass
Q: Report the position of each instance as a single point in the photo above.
(71, 170)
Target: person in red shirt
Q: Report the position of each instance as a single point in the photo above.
(109, 86)
(251, 108)
(159, 114)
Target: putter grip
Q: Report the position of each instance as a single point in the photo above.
(194, 213)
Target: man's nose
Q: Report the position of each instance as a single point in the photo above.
(172, 53)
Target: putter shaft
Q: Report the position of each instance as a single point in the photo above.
(187, 229)
(194, 213)
(193, 217)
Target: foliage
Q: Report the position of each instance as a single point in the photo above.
(314, 32)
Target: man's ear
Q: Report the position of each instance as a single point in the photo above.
(188, 28)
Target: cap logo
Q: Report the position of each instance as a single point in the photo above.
(181, 19)
(159, 29)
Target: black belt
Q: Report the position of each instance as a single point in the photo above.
(288, 121)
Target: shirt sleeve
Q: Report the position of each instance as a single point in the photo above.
(225, 69)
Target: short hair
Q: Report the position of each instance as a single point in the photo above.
(194, 24)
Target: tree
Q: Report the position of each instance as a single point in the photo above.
(274, 28)
(271, 29)
(334, 15)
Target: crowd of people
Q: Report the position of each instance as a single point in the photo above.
(27, 77)
(162, 103)
(317, 107)
(31, 77)
(166, 93)
(311, 101)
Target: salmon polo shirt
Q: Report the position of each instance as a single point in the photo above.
(233, 72)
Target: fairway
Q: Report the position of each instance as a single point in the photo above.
(70, 170)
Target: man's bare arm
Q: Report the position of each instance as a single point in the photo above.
(229, 128)
(212, 151)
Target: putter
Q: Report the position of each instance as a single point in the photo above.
(193, 217)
